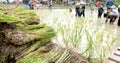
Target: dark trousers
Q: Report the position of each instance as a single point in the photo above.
(99, 14)
(83, 13)
(119, 21)
(112, 18)
(31, 6)
(78, 13)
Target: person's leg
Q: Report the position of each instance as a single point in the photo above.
(119, 21)
(50, 6)
(112, 19)
(83, 13)
(107, 17)
(98, 14)
(32, 7)
(76, 13)
(79, 13)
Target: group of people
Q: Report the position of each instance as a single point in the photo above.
(113, 12)
(80, 11)
(31, 4)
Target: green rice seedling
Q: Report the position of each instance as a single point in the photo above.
(100, 55)
(99, 38)
(32, 58)
(92, 50)
(89, 46)
(75, 38)
(8, 19)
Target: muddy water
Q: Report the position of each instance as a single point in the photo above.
(104, 35)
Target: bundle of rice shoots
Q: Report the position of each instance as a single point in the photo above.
(28, 17)
(21, 38)
(9, 19)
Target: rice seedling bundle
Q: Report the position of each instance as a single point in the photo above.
(8, 19)
(52, 53)
(22, 39)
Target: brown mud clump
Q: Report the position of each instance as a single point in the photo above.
(5, 25)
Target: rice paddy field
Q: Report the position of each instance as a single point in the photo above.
(89, 36)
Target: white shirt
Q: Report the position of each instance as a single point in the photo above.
(114, 12)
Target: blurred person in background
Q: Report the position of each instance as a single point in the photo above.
(49, 4)
(25, 2)
(100, 11)
(91, 7)
(108, 6)
(119, 15)
(83, 10)
(30, 4)
(112, 15)
(77, 10)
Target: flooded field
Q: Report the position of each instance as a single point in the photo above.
(90, 36)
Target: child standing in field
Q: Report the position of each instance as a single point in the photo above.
(77, 10)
